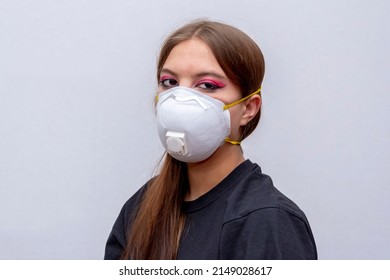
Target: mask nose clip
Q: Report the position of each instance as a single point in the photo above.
(190, 98)
(176, 143)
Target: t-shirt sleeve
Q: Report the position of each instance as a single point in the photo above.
(116, 240)
(270, 233)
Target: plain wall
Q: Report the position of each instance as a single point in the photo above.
(77, 127)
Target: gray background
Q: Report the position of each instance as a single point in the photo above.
(77, 127)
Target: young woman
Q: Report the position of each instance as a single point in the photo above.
(208, 202)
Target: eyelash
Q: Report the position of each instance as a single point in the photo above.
(163, 81)
(208, 85)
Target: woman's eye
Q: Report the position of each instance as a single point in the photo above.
(167, 83)
(208, 86)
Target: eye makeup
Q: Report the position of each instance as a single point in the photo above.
(216, 83)
(165, 77)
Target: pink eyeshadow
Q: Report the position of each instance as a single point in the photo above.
(215, 82)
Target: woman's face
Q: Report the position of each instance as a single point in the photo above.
(192, 64)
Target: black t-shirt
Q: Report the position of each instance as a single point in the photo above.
(243, 217)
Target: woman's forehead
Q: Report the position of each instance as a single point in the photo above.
(192, 56)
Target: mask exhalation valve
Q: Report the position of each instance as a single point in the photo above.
(176, 143)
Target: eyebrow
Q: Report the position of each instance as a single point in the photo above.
(197, 75)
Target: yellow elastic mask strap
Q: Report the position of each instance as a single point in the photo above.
(232, 141)
(227, 106)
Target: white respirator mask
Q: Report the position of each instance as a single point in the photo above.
(192, 125)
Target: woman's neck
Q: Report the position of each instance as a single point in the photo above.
(205, 175)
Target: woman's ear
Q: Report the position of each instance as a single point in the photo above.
(251, 107)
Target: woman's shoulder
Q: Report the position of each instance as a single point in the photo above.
(262, 219)
(132, 204)
(117, 239)
(255, 191)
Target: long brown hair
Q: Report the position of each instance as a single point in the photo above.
(157, 227)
